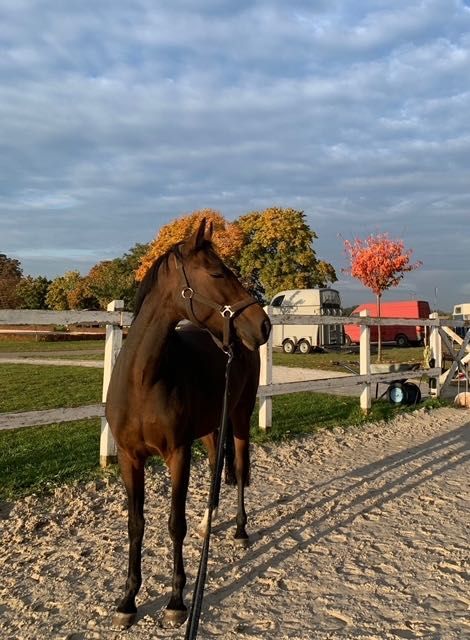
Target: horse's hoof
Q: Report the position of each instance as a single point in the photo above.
(123, 620)
(203, 525)
(244, 543)
(172, 618)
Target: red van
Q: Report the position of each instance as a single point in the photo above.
(402, 335)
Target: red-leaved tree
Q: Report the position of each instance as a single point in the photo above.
(379, 263)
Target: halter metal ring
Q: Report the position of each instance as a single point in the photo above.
(227, 312)
(187, 293)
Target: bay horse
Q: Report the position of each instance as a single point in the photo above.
(166, 391)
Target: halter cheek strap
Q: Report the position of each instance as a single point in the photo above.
(226, 311)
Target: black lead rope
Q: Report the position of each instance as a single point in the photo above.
(198, 594)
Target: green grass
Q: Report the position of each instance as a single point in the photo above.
(8, 345)
(332, 360)
(28, 387)
(36, 459)
(301, 414)
(33, 460)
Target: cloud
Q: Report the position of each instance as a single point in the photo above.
(117, 117)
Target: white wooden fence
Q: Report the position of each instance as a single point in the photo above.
(115, 319)
(440, 332)
(441, 335)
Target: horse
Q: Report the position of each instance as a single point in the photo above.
(167, 387)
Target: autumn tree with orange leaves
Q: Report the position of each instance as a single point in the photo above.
(379, 262)
(268, 250)
(228, 238)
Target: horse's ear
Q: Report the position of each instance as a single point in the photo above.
(196, 240)
(209, 231)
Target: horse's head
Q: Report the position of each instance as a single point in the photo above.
(208, 293)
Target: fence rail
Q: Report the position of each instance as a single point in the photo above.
(64, 318)
(442, 337)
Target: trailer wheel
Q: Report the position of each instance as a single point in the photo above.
(397, 393)
(413, 393)
(401, 340)
(304, 346)
(288, 346)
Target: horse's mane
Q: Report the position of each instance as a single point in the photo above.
(150, 278)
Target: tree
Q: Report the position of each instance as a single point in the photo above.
(278, 253)
(60, 292)
(10, 276)
(228, 238)
(379, 263)
(113, 279)
(108, 280)
(269, 250)
(32, 292)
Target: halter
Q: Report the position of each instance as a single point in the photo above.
(226, 311)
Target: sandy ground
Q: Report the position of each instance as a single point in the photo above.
(357, 533)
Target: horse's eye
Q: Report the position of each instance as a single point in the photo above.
(217, 275)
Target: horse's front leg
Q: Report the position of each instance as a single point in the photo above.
(132, 472)
(210, 443)
(179, 465)
(242, 472)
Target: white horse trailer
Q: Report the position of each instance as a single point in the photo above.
(461, 312)
(307, 302)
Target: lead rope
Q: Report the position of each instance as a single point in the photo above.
(198, 593)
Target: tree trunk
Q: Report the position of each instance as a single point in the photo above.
(379, 332)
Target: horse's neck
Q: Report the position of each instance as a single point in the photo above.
(148, 335)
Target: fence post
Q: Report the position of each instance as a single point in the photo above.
(265, 417)
(108, 451)
(435, 342)
(364, 363)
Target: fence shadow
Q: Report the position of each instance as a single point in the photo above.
(447, 453)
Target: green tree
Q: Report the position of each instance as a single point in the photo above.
(32, 292)
(278, 253)
(61, 290)
(10, 276)
(108, 281)
(115, 279)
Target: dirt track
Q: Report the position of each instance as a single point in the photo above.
(358, 534)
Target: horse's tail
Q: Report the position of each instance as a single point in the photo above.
(230, 477)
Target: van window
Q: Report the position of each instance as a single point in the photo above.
(457, 310)
(277, 301)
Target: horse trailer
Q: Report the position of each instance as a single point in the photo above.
(461, 312)
(306, 302)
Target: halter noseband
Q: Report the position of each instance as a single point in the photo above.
(227, 311)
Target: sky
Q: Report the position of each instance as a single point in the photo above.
(118, 116)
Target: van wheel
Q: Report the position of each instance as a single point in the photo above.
(402, 341)
(304, 346)
(288, 346)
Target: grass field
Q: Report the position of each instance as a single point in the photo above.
(9, 345)
(334, 360)
(37, 459)
(29, 388)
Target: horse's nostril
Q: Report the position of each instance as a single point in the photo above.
(266, 328)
